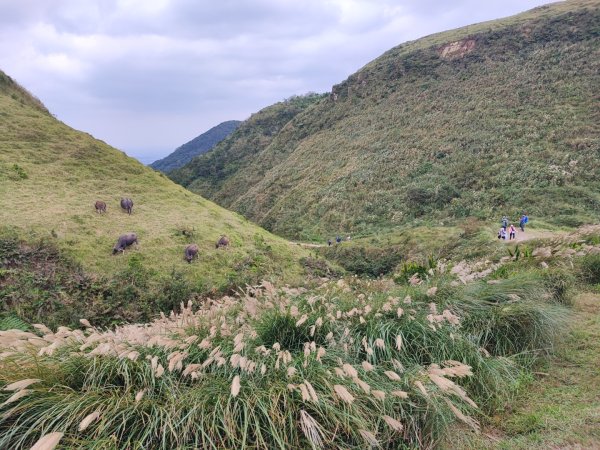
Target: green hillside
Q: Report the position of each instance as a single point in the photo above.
(482, 121)
(224, 171)
(51, 176)
(197, 146)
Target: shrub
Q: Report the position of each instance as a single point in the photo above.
(590, 268)
(368, 260)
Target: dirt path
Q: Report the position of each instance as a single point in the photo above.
(533, 234)
(561, 408)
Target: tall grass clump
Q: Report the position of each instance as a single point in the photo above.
(350, 364)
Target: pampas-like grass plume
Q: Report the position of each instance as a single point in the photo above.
(140, 395)
(88, 420)
(379, 343)
(350, 371)
(48, 441)
(364, 386)
(343, 393)
(466, 419)
(379, 395)
(367, 366)
(16, 396)
(393, 376)
(311, 390)
(400, 394)
(399, 342)
(235, 386)
(369, 438)
(419, 385)
(311, 429)
(302, 319)
(18, 385)
(393, 423)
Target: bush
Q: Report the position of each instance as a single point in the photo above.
(371, 261)
(590, 268)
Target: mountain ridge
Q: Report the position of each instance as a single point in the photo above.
(489, 119)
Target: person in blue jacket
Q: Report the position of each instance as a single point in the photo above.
(524, 219)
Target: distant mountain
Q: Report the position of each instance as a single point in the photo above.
(223, 170)
(197, 146)
(485, 120)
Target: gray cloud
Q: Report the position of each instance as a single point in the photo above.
(148, 75)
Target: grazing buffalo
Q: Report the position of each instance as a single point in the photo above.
(191, 252)
(127, 205)
(100, 206)
(222, 242)
(125, 240)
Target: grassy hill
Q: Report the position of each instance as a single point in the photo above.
(50, 178)
(224, 171)
(197, 146)
(482, 121)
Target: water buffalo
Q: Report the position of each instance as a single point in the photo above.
(191, 252)
(100, 206)
(127, 205)
(124, 241)
(222, 242)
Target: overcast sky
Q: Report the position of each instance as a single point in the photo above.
(149, 75)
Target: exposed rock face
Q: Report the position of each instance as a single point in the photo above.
(457, 49)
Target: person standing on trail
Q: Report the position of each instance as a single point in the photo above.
(512, 233)
(502, 233)
(524, 219)
(504, 222)
(329, 242)
(338, 239)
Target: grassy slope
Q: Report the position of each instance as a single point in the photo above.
(67, 171)
(197, 146)
(563, 409)
(511, 124)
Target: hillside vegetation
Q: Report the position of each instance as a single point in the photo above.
(197, 146)
(50, 178)
(485, 120)
(351, 363)
(225, 169)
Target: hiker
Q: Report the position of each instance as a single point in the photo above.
(502, 233)
(338, 239)
(512, 233)
(504, 222)
(329, 242)
(524, 219)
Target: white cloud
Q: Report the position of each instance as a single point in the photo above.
(148, 75)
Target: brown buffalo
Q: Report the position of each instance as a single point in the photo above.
(191, 252)
(100, 206)
(127, 205)
(222, 242)
(124, 241)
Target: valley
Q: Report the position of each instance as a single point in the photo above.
(218, 310)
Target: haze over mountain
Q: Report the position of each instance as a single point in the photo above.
(197, 146)
(51, 175)
(486, 120)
